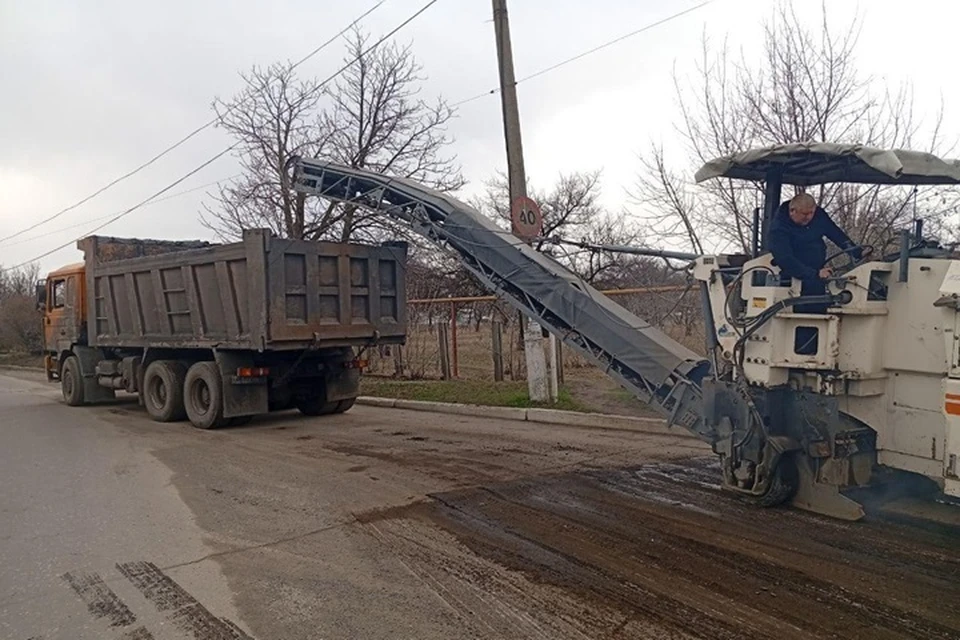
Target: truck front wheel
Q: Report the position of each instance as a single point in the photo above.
(203, 395)
(163, 390)
(71, 382)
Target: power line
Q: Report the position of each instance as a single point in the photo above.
(225, 151)
(109, 215)
(336, 37)
(583, 54)
(184, 139)
(126, 212)
(372, 47)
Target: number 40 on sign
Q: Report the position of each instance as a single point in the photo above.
(527, 218)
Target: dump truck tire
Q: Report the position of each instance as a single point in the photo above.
(163, 390)
(345, 405)
(315, 405)
(312, 407)
(203, 396)
(71, 382)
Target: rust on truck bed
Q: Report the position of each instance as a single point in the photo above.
(261, 293)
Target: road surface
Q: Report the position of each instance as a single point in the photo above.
(390, 524)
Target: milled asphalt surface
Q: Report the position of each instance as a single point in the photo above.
(386, 523)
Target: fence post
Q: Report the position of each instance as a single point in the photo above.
(453, 339)
(560, 379)
(553, 381)
(497, 351)
(398, 361)
(444, 351)
(520, 342)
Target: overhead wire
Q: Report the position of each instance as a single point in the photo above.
(588, 52)
(184, 139)
(126, 212)
(109, 215)
(227, 149)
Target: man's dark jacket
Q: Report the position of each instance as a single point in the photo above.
(800, 252)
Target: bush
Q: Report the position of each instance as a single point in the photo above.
(21, 327)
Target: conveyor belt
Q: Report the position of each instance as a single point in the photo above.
(645, 360)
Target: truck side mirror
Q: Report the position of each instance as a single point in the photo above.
(41, 295)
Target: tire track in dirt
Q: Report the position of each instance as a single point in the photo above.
(186, 612)
(100, 599)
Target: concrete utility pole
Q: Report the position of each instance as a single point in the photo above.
(537, 381)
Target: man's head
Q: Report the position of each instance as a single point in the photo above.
(802, 208)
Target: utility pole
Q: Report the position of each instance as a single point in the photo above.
(537, 381)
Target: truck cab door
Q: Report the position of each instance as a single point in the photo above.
(54, 312)
(61, 330)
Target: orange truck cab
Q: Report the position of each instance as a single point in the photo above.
(62, 298)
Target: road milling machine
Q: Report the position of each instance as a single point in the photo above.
(875, 384)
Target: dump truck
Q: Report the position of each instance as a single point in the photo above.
(880, 389)
(218, 333)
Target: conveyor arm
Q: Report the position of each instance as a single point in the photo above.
(645, 360)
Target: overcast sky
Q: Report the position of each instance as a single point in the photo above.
(92, 89)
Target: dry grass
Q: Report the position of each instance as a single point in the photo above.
(476, 392)
(20, 359)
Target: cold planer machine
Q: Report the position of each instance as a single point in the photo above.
(880, 385)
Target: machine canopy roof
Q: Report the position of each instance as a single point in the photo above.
(811, 163)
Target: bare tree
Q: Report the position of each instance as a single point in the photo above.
(20, 325)
(272, 118)
(805, 87)
(571, 211)
(19, 281)
(370, 117)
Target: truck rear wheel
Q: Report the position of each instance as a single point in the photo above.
(71, 382)
(345, 405)
(314, 406)
(203, 396)
(163, 390)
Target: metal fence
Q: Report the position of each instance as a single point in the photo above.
(479, 338)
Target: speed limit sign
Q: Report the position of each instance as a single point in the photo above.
(526, 217)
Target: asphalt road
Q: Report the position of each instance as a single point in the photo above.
(390, 524)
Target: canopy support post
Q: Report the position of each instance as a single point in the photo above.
(771, 201)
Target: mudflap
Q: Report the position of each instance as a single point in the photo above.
(88, 357)
(240, 399)
(820, 497)
(343, 385)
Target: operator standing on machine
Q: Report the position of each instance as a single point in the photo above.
(796, 242)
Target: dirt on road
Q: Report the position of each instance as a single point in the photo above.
(549, 532)
(391, 524)
(656, 551)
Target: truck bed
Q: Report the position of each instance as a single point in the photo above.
(263, 293)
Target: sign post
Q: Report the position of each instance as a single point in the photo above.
(527, 223)
(526, 218)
